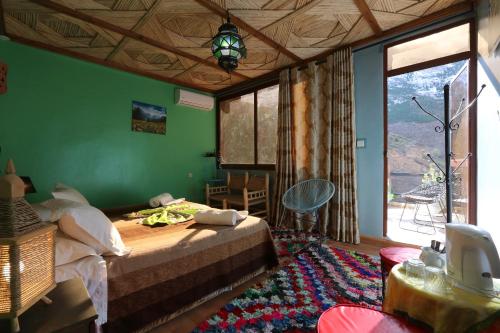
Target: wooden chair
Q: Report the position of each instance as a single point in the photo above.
(242, 191)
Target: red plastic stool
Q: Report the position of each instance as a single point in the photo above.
(357, 319)
(391, 256)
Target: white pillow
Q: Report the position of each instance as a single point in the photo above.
(43, 212)
(62, 191)
(69, 250)
(220, 217)
(90, 226)
(58, 207)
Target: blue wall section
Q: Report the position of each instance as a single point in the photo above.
(368, 80)
(369, 99)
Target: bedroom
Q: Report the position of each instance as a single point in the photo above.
(89, 100)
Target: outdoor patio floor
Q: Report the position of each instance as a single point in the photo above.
(412, 233)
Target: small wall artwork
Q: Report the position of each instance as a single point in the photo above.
(3, 78)
(149, 118)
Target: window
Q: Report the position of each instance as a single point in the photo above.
(438, 45)
(248, 127)
(237, 130)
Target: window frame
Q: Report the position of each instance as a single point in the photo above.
(255, 165)
(471, 56)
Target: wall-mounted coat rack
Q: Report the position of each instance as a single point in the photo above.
(448, 125)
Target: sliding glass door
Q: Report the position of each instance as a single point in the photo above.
(415, 209)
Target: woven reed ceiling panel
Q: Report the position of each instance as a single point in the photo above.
(170, 40)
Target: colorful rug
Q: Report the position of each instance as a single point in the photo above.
(292, 299)
(289, 242)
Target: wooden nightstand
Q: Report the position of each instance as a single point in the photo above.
(71, 311)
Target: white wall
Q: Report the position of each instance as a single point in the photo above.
(488, 125)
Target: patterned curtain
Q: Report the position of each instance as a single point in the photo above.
(285, 177)
(320, 106)
(344, 209)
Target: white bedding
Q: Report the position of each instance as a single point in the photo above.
(92, 270)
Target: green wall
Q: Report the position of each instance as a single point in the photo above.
(70, 121)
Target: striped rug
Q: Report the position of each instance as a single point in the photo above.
(292, 299)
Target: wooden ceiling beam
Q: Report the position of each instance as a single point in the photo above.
(458, 9)
(136, 27)
(128, 33)
(452, 11)
(368, 16)
(102, 62)
(243, 25)
(296, 13)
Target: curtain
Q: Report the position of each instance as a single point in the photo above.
(344, 209)
(319, 110)
(284, 159)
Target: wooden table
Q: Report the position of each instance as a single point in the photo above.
(448, 310)
(71, 311)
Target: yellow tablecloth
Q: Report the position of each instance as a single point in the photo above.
(453, 311)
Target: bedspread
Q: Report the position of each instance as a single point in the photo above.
(92, 270)
(175, 267)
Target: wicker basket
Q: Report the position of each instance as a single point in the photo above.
(26, 270)
(17, 217)
(27, 254)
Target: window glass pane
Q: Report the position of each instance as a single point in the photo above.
(237, 130)
(459, 90)
(412, 176)
(267, 126)
(438, 45)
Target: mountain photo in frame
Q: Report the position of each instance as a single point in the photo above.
(149, 118)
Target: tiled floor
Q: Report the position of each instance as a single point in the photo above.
(420, 232)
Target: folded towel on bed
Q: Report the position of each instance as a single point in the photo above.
(162, 199)
(220, 217)
(174, 202)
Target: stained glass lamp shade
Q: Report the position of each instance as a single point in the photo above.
(228, 47)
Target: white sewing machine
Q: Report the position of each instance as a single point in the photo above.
(471, 258)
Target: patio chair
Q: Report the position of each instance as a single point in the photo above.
(306, 198)
(425, 194)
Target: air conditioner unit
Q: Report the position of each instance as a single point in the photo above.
(193, 100)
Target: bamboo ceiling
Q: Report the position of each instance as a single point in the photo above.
(170, 39)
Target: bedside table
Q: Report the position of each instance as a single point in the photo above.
(71, 311)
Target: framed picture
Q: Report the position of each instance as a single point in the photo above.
(149, 118)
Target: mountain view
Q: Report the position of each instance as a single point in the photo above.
(411, 134)
(148, 118)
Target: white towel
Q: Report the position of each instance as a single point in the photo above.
(174, 202)
(162, 199)
(220, 217)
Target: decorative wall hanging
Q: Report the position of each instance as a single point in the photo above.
(228, 46)
(3, 78)
(149, 118)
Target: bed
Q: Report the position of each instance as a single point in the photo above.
(174, 268)
(92, 271)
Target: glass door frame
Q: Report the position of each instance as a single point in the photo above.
(471, 56)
